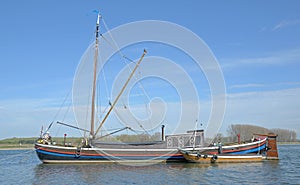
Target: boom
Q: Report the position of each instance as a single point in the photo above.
(122, 90)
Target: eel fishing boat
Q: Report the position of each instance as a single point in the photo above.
(269, 152)
(222, 158)
(93, 150)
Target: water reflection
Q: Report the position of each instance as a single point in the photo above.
(107, 173)
(285, 170)
(23, 167)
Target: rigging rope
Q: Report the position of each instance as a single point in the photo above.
(141, 126)
(86, 117)
(114, 42)
(105, 83)
(115, 46)
(124, 58)
(60, 109)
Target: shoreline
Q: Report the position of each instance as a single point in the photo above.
(288, 143)
(16, 147)
(2, 149)
(13, 148)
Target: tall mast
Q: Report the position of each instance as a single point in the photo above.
(92, 132)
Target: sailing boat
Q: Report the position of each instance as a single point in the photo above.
(92, 150)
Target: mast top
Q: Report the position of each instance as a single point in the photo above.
(98, 19)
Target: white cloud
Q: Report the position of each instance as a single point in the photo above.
(279, 85)
(285, 23)
(24, 117)
(271, 59)
(270, 109)
(246, 85)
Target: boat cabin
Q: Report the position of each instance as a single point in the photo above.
(190, 139)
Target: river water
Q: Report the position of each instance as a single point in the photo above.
(23, 167)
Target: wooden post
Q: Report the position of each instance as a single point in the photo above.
(272, 152)
(163, 132)
(65, 135)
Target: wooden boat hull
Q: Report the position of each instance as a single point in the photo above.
(61, 154)
(129, 153)
(145, 153)
(222, 158)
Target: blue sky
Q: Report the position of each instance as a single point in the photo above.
(257, 45)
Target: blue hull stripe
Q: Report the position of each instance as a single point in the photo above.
(250, 151)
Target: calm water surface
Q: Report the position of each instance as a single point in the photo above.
(23, 167)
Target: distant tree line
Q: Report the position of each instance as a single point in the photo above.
(18, 141)
(58, 140)
(285, 135)
(246, 132)
(76, 141)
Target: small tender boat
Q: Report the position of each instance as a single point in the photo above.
(269, 152)
(222, 158)
(256, 146)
